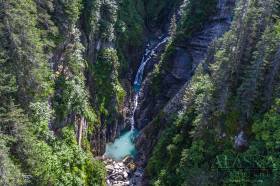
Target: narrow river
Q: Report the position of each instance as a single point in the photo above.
(124, 145)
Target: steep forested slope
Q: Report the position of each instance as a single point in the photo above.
(42, 84)
(63, 68)
(223, 126)
(209, 105)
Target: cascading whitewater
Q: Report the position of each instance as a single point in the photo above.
(149, 53)
(145, 59)
(135, 104)
(124, 145)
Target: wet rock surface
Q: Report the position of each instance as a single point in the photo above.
(123, 173)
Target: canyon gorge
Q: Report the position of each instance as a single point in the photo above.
(139, 92)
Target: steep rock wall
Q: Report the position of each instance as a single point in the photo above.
(123, 28)
(182, 62)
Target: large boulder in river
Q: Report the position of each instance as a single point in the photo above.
(132, 167)
(241, 142)
(127, 160)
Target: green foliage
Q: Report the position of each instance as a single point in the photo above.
(261, 160)
(156, 12)
(161, 69)
(96, 173)
(72, 9)
(107, 87)
(129, 33)
(31, 153)
(92, 13)
(100, 18)
(73, 99)
(163, 167)
(195, 15)
(232, 91)
(41, 114)
(43, 91)
(108, 13)
(71, 95)
(130, 24)
(22, 50)
(49, 160)
(10, 173)
(61, 162)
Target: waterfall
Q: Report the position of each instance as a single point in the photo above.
(135, 104)
(149, 53)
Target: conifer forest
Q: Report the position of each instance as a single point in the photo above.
(139, 92)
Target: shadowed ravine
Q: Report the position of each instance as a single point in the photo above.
(119, 155)
(123, 172)
(124, 145)
(139, 92)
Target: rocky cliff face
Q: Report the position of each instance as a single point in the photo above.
(216, 118)
(128, 50)
(102, 26)
(93, 25)
(184, 59)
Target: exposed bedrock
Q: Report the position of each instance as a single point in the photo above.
(184, 60)
(177, 75)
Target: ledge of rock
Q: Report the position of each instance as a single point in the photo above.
(123, 173)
